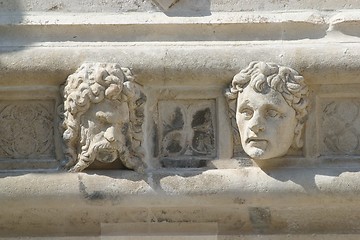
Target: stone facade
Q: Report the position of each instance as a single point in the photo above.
(185, 119)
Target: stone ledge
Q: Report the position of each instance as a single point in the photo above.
(181, 188)
(239, 201)
(159, 18)
(176, 7)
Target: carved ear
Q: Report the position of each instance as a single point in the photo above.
(298, 142)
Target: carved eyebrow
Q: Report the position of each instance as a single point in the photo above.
(273, 107)
(244, 104)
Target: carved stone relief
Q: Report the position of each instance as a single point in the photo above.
(103, 117)
(271, 107)
(26, 129)
(187, 131)
(340, 126)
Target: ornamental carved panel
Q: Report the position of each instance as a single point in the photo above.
(187, 131)
(26, 129)
(340, 127)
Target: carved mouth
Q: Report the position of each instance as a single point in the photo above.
(256, 140)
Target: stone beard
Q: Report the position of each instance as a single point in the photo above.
(270, 109)
(102, 126)
(103, 117)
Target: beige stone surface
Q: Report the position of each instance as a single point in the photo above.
(180, 6)
(184, 55)
(248, 200)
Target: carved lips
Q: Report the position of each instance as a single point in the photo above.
(256, 142)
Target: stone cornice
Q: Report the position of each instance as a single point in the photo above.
(159, 63)
(155, 27)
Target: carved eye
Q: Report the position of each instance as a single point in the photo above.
(272, 113)
(247, 113)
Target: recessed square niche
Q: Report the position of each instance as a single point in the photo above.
(187, 132)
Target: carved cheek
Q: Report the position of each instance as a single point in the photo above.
(243, 126)
(123, 112)
(239, 122)
(284, 130)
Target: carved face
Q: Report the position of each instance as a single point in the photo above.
(266, 123)
(101, 136)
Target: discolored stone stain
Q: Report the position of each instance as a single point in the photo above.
(176, 122)
(239, 200)
(260, 219)
(95, 195)
(155, 138)
(201, 117)
(183, 163)
(56, 7)
(176, 1)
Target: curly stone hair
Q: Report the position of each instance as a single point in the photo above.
(262, 76)
(90, 84)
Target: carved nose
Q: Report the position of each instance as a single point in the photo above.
(257, 124)
(257, 128)
(109, 134)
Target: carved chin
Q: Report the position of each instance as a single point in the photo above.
(256, 153)
(106, 155)
(264, 153)
(257, 149)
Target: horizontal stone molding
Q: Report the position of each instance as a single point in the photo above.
(250, 186)
(156, 26)
(242, 201)
(178, 7)
(154, 18)
(159, 63)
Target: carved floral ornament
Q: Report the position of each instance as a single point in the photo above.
(103, 116)
(271, 108)
(26, 129)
